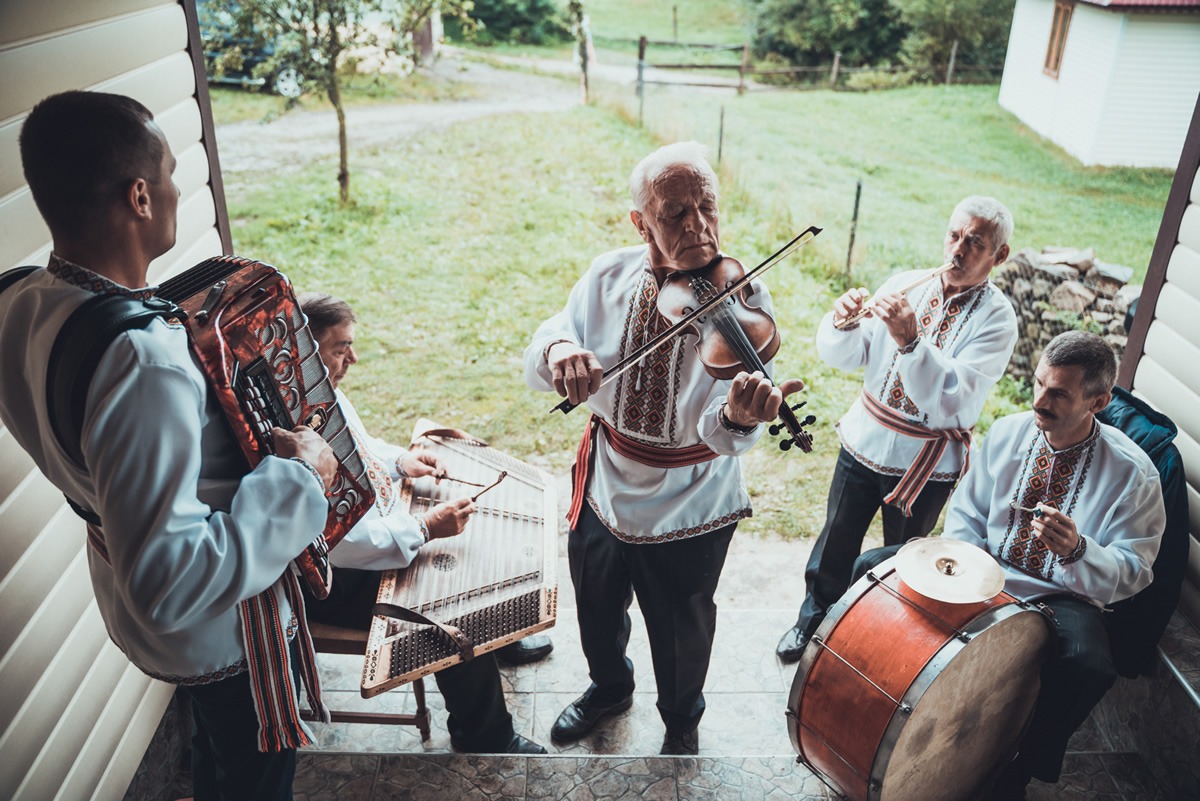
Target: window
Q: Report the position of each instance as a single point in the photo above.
(1058, 36)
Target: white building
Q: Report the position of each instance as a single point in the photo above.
(1112, 82)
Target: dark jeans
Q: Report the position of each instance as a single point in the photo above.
(479, 719)
(1073, 680)
(226, 762)
(675, 583)
(856, 493)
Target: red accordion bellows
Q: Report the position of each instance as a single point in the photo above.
(262, 362)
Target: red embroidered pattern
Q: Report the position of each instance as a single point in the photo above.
(645, 394)
(84, 278)
(1047, 477)
(953, 319)
(378, 473)
(679, 534)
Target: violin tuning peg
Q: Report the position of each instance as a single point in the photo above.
(785, 444)
(798, 405)
(774, 429)
(808, 421)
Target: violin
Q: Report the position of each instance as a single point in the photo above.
(733, 335)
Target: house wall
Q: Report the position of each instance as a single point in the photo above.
(1125, 88)
(1164, 347)
(1154, 84)
(75, 715)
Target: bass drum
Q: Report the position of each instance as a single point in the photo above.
(899, 697)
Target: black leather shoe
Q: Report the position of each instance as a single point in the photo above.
(791, 645)
(521, 745)
(686, 744)
(522, 652)
(581, 715)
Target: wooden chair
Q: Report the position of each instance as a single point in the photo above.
(329, 639)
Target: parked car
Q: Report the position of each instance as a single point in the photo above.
(230, 58)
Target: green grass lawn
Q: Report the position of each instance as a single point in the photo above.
(459, 244)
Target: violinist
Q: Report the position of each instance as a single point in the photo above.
(931, 352)
(658, 489)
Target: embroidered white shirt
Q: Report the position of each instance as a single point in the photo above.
(387, 537)
(668, 401)
(963, 349)
(190, 531)
(1106, 484)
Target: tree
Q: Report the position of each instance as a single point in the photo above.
(315, 35)
(809, 32)
(979, 26)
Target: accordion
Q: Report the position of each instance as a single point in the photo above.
(491, 585)
(261, 361)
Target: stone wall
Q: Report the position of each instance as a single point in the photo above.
(1060, 289)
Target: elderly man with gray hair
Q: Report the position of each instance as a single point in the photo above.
(929, 358)
(658, 488)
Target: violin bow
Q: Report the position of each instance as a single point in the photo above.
(629, 361)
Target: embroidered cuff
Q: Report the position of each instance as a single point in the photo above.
(400, 469)
(1076, 554)
(424, 529)
(733, 427)
(910, 347)
(312, 470)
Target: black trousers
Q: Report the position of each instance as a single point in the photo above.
(479, 719)
(226, 762)
(856, 493)
(1074, 679)
(675, 583)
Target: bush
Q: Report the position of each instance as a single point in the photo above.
(535, 22)
(879, 79)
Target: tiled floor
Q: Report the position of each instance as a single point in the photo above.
(745, 752)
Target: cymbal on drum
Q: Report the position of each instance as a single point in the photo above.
(949, 570)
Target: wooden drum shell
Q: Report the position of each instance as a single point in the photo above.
(889, 703)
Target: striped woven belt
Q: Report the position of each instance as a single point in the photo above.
(914, 479)
(631, 449)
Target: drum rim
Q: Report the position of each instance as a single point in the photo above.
(933, 669)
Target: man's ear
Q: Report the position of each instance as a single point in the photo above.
(636, 217)
(1001, 256)
(1100, 402)
(137, 198)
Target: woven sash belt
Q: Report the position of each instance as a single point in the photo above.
(913, 481)
(637, 451)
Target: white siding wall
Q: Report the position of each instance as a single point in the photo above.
(1125, 89)
(75, 716)
(1152, 92)
(1167, 375)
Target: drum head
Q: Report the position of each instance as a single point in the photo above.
(968, 720)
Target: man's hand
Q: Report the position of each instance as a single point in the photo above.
(449, 519)
(304, 443)
(577, 373)
(850, 304)
(418, 463)
(1056, 530)
(753, 399)
(898, 315)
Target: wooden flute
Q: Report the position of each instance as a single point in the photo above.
(861, 313)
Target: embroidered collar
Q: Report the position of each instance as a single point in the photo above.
(84, 278)
(1078, 447)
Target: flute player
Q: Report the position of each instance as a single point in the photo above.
(930, 358)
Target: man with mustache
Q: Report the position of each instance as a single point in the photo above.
(1072, 509)
(930, 359)
(658, 483)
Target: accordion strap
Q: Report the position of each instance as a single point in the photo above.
(466, 649)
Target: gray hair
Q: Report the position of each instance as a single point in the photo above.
(692, 156)
(324, 312)
(1089, 352)
(988, 208)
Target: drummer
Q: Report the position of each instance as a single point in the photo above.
(930, 360)
(1072, 510)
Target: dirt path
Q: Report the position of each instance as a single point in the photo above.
(762, 572)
